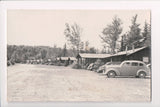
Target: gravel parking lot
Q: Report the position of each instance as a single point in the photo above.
(57, 83)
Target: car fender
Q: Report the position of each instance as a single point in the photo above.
(112, 69)
(140, 71)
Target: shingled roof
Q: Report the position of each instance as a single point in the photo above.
(129, 52)
(89, 55)
(136, 50)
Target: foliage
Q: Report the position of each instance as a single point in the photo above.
(134, 34)
(86, 46)
(73, 34)
(76, 66)
(147, 34)
(64, 51)
(20, 54)
(135, 38)
(92, 50)
(111, 33)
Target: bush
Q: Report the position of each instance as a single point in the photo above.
(58, 63)
(86, 66)
(66, 63)
(76, 66)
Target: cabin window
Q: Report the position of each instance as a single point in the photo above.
(134, 64)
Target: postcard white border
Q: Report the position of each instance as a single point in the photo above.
(154, 6)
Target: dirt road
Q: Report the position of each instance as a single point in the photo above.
(55, 83)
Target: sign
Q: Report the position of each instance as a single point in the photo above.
(145, 59)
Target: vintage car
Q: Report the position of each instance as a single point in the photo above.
(149, 66)
(102, 68)
(127, 68)
(90, 67)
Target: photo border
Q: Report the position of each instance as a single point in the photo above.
(154, 6)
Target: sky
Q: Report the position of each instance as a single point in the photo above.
(46, 27)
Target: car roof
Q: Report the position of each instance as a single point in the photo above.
(113, 62)
(133, 61)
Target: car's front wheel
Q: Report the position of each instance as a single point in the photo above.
(111, 74)
(142, 75)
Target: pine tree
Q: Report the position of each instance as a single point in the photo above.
(147, 34)
(134, 34)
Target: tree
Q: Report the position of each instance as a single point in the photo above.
(145, 31)
(20, 53)
(86, 46)
(73, 34)
(92, 50)
(43, 53)
(147, 34)
(123, 42)
(111, 33)
(104, 49)
(82, 47)
(64, 51)
(134, 34)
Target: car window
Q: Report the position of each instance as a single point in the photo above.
(126, 64)
(108, 63)
(134, 64)
(140, 64)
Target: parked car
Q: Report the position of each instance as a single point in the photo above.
(94, 66)
(149, 66)
(102, 68)
(90, 67)
(127, 68)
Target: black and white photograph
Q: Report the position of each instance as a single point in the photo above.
(79, 55)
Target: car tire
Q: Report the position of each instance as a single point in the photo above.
(111, 74)
(142, 74)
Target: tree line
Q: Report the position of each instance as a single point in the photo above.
(110, 36)
(21, 53)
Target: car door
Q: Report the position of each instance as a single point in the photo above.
(125, 69)
(134, 68)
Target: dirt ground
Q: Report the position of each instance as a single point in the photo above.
(57, 83)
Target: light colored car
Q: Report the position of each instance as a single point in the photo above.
(90, 66)
(127, 68)
(149, 66)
